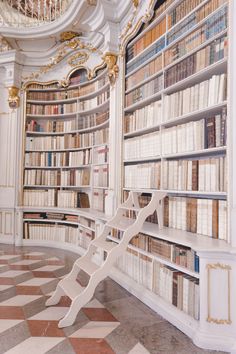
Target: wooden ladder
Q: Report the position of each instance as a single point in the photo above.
(69, 286)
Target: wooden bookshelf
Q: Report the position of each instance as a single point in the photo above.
(174, 139)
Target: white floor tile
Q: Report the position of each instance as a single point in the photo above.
(35, 345)
(20, 300)
(37, 281)
(95, 329)
(13, 273)
(139, 349)
(49, 268)
(6, 324)
(51, 314)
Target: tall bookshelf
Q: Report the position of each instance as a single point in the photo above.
(175, 139)
(66, 159)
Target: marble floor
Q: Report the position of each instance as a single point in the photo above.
(113, 322)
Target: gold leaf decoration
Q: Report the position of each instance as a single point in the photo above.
(78, 59)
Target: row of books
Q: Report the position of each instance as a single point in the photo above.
(58, 159)
(206, 175)
(143, 176)
(156, 48)
(218, 19)
(85, 237)
(193, 136)
(196, 62)
(67, 141)
(100, 176)
(145, 117)
(144, 91)
(53, 197)
(141, 147)
(181, 10)
(57, 178)
(177, 288)
(99, 196)
(39, 109)
(175, 253)
(203, 216)
(51, 216)
(191, 42)
(147, 70)
(137, 266)
(53, 232)
(37, 86)
(213, 25)
(94, 102)
(149, 37)
(60, 126)
(197, 97)
(101, 154)
(64, 108)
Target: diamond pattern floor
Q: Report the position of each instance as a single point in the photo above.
(113, 322)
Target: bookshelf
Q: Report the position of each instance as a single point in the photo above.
(66, 160)
(175, 140)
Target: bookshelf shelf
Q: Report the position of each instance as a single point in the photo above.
(174, 140)
(96, 109)
(85, 130)
(58, 171)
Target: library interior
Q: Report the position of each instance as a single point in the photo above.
(117, 176)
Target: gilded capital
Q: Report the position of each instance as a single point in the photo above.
(13, 98)
(113, 69)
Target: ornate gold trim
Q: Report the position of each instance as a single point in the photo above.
(92, 2)
(126, 35)
(13, 98)
(78, 59)
(63, 51)
(68, 35)
(111, 59)
(227, 268)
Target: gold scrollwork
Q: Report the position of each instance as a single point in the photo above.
(13, 98)
(113, 69)
(92, 2)
(228, 269)
(78, 59)
(68, 35)
(127, 33)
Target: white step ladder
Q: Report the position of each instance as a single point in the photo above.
(69, 286)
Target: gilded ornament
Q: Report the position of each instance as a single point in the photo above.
(13, 98)
(68, 35)
(92, 2)
(135, 3)
(113, 69)
(78, 59)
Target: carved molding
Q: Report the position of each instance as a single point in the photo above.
(13, 98)
(92, 2)
(4, 45)
(210, 268)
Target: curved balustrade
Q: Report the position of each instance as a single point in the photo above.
(31, 13)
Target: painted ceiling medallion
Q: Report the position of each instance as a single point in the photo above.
(78, 59)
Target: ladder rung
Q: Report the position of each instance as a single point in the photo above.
(105, 245)
(87, 266)
(130, 208)
(122, 224)
(71, 288)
